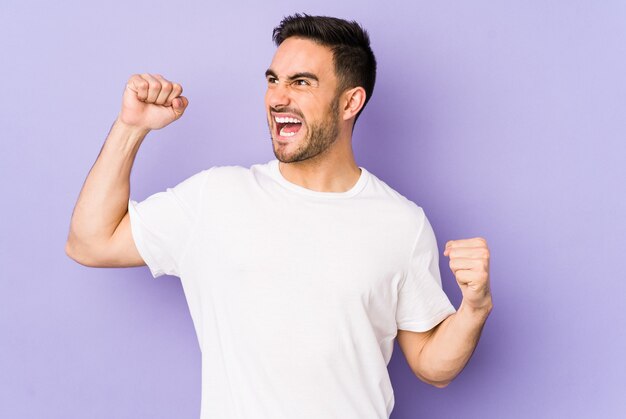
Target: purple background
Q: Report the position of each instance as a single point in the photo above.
(500, 119)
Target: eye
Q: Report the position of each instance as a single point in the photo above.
(272, 80)
(301, 82)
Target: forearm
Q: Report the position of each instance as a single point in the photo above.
(452, 344)
(103, 199)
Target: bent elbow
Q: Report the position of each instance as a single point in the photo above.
(441, 384)
(432, 382)
(73, 253)
(69, 251)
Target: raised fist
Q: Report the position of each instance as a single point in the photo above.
(151, 102)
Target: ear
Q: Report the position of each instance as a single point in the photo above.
(353, 101)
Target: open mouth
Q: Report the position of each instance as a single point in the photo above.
(287, 126)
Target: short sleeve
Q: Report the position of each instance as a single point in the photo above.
(422, 303)
(163, 223)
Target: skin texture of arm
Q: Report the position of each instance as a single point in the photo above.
(94, 239)
(440, 354)
(100, 234)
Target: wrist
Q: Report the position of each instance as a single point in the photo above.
(125, 138)
(131, 130)
(480, 311)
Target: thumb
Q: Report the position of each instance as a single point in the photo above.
(179, 105)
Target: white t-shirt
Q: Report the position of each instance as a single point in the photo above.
(295, 295)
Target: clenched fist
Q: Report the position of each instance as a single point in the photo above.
(469, 261)
(151, 102)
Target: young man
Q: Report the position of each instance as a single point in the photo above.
(300, 272)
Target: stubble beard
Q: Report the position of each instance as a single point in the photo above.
(320, 136)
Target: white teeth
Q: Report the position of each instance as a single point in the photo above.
(286, 120)
(286, 134)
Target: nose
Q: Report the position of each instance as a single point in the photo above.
(277, 96)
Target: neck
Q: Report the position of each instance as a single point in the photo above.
(334, 170)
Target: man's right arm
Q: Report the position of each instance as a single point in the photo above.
(100, 234)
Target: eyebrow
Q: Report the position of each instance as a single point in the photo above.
(301, 75)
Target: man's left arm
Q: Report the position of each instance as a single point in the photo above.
(439, 355)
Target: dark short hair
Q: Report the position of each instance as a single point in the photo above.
(355, 64)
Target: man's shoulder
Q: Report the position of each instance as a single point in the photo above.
(234, 177)
(234, 170)
(386, 193)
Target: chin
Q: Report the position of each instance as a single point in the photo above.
(286, 157)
